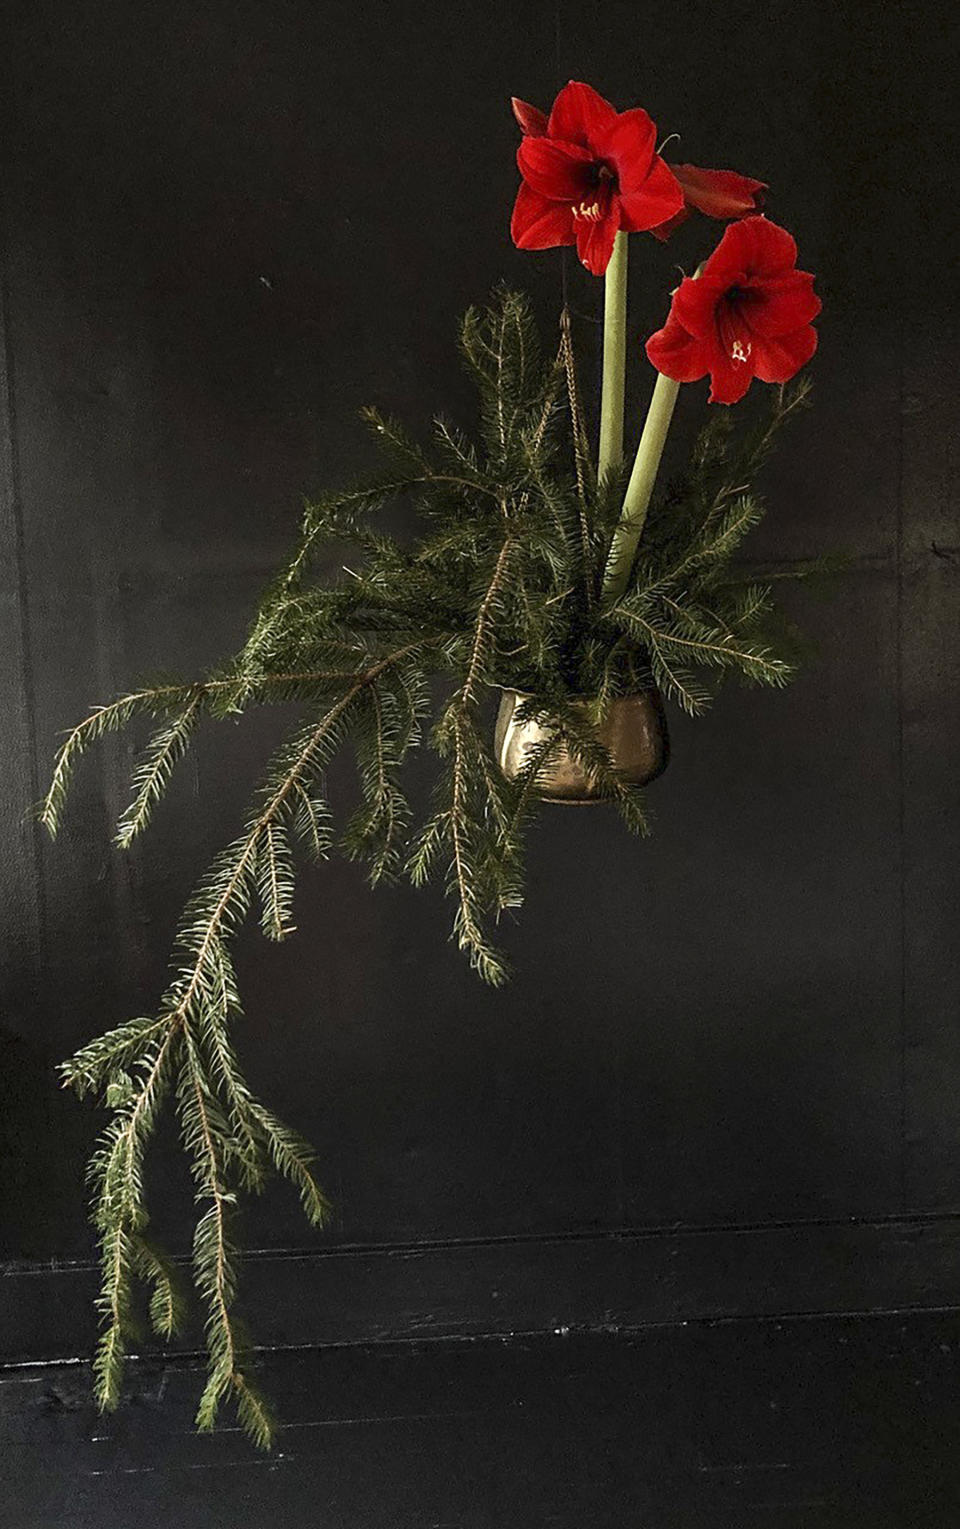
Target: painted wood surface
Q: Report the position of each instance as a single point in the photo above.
(225, 228)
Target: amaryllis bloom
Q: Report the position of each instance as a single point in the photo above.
(716, 193)
(588, 172)
(748, 314)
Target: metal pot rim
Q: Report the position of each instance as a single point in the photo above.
(582, 695)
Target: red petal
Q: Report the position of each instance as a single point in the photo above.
(579, 113)
(628, 142)
(677, 354)
(719, 193)
(657, 200)
(531, 119)
(695, 305)
(781, 304)
(779, 359)
(727, 263)
(595, 238)
(728, 381)
(557, 170)
(664, 230)
(539, 224)
(753, 248)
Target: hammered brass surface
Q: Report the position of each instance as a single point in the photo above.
(634, 731)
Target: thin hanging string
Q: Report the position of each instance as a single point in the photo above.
(564, 252)
(580, 449)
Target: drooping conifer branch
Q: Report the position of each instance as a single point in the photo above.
(186, 1037)
(162, 700)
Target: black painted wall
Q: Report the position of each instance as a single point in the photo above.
(225, 228)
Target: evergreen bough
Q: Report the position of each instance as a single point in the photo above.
(502, 587)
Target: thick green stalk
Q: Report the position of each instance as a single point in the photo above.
(636, 501)
(614, 358)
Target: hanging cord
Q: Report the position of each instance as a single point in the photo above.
(580, 446)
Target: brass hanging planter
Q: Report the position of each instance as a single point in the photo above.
(634, 731)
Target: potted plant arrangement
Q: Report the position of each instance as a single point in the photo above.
(545, 582)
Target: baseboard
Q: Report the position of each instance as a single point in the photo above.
(620, 1281)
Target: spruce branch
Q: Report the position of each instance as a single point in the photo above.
(468, 876)
(293, 1158)
(470, 891)
(222, 1125)
(155, 700)
(184, 702)
(153, 774)
(275, 881)
(120, 1215)
(168, 1301)
(214, 1252)
(313, 823)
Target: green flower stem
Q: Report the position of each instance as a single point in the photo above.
(636, 501)
(614, 358)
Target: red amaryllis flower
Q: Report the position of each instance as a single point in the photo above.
(588, 173)
(748, 314)
(717, 193)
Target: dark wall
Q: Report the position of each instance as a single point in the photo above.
(226, 227)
